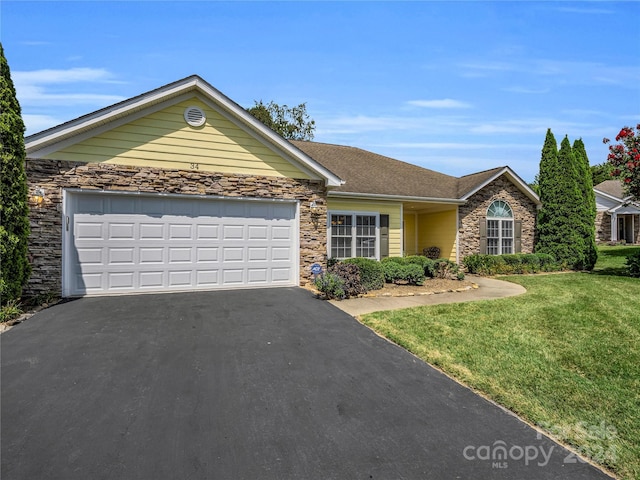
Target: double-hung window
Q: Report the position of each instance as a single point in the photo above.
(499, 228)
(353, 235)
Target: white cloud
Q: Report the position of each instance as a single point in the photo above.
(33, 95)
(559, 71)
(589, 11)
(460, 146)
(51, 76)
(36, 123)
(443, 103)
(48, 94)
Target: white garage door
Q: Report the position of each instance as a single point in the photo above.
(119, 243)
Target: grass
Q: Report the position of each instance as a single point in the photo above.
(564, 356)
(611, 259)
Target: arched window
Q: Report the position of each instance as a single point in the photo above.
(499, 228)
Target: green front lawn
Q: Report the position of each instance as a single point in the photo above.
(565, 355)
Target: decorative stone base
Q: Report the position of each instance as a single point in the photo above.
(45, 242)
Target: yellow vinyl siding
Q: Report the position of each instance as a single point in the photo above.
(438, 230)
(164, 140)
(393, 209)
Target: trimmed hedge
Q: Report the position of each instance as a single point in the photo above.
(428, 265)
(371, 272)
(511, 263)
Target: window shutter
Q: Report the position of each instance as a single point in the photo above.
(483, 235)
(517, 236)
(384, 236)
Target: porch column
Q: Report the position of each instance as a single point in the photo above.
(614, 227)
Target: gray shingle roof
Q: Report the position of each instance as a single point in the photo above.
(369, 173)
(611, 187)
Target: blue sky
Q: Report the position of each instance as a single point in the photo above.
(449, 85)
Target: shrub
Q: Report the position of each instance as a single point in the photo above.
(350, 275)
(10, 311)
(432, 253)
(371, 272)
(331, 285)
(332, 261)
(401, 270)
(633, 262)
(391, 269)
(445, 268)
(426, 264)
(511, 263)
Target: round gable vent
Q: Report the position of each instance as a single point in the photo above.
(194, 116)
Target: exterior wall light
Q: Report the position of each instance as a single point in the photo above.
(38, 196)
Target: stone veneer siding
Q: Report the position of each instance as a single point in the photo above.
(45, 242)
(476, 207)
(603, 227)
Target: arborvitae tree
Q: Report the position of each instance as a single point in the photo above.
(585, 184)
(547, 191)
(14, 211)
(559, 218)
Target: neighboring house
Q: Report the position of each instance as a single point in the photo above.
(181, 189)
(618, 217)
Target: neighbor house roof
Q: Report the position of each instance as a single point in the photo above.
(370, 174)
(613, 188)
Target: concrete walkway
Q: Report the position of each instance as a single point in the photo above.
(489, 289)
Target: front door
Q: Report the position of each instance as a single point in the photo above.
(621, 229)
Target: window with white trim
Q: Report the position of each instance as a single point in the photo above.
(353, 235)
(499, 228)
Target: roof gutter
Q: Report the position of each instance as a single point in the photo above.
(402, 198)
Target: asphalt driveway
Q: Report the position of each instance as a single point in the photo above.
(257, 384)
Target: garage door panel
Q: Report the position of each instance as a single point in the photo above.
(151, 231)
(232, 277)
(180, 278)
(233, 232)
(120, 280)
(151, 255)
(257, 275)
(151, 280)
(120, 256)
(207, 278)
(207, 232)
(258, 232)
(280, 275)
(207, 254)
(179, 232)
(126, 243)
(179, 255)
(90, 256)
(233, 254)
(88, 230)
(121, 231)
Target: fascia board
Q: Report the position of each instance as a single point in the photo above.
(521, 184)
(400, 198)
(43, 143)
(106, 117)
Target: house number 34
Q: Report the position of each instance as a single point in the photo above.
(195, 166)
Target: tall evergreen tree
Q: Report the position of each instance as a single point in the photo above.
(14, 211)
(559, 217)
(588, 215)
